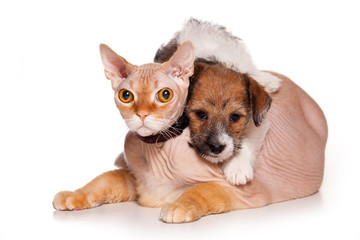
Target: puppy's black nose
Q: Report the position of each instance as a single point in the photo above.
(216, 148)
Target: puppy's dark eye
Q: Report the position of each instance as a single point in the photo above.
(201, 115)
(234, 117)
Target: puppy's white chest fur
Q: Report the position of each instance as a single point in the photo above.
(239, 169)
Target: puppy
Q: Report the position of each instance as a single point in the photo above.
(215, 136)
(226, 113)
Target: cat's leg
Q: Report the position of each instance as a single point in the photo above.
(198, 201)
(110, 187)
(211, 198)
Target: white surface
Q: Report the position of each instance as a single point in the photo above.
(59, 127)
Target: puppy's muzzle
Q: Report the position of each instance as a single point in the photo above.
(215, 147)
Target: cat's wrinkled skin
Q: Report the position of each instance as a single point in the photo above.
(290, 165)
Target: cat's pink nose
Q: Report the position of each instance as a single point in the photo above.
(142, 115)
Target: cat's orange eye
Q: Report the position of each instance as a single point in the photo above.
(165, 95)
(125, 96)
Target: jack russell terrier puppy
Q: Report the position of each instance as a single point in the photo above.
(228, 105)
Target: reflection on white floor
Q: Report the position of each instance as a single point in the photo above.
(120, 213)
(131, 219)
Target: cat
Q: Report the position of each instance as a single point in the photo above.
(156, 170)
(215, 45)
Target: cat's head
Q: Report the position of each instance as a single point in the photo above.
(150, 97)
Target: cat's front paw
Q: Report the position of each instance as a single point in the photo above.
(67, 200)
(180, 213)
(238, 172)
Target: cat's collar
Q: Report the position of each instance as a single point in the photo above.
(175, 130)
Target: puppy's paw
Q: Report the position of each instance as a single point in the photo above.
(238, 172)
(67, 200)
(179, 213)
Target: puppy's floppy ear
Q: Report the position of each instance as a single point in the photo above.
(259, 100)
(181, 65)
(116, 67)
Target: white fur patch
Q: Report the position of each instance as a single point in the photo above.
(211, 40)
(270, 82)
(224, 139)
(239, 170)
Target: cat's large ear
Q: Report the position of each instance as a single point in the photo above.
(259, 99)
(181, 65)
(116, 67)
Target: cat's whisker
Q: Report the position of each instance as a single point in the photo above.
(166, 133)
(120, 134)
(176, 130)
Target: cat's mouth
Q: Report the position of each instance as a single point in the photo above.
(153, 126)
(145, 131)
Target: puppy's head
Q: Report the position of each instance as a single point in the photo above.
(221, 104)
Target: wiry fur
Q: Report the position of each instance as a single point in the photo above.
(219, 92)
(214, 42)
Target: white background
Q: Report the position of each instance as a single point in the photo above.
(59, 127)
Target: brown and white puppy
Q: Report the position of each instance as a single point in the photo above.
(221, 123)
(226, 111)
